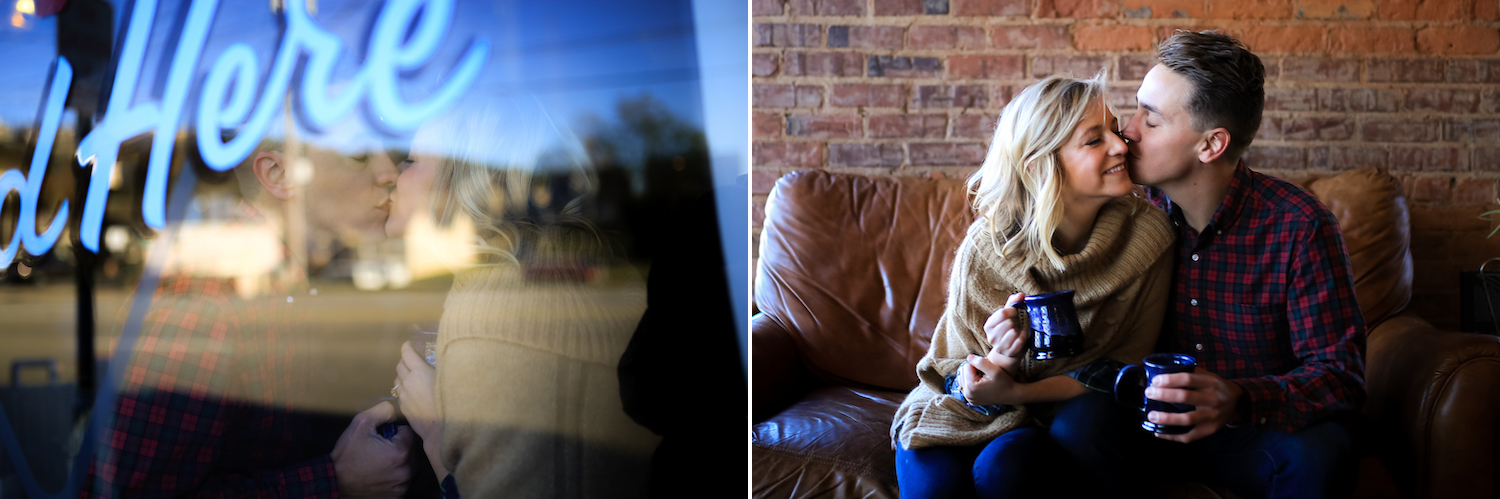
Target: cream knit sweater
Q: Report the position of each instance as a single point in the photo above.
(527, 389)
(1121, 280)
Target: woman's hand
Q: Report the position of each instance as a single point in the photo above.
(1007, 340)
(985, 383)
(417, 384)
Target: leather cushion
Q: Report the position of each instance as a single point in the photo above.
(835, 442)
(1372, 212)
(856, 269)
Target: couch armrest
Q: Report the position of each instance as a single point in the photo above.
(1434, 407)
(777, 376)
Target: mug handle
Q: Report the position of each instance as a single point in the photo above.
(1130, 386)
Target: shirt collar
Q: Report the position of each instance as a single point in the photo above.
(1235, 197)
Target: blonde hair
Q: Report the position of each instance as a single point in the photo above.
(1018, 190)
(495, 171)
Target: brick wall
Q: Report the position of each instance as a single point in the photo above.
(913, 87)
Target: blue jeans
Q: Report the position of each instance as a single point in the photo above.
(1107, 440)
(1024, 462)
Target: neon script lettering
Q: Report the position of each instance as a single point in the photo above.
(406, 35)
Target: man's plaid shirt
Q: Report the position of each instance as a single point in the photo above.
(1264, 297)
(204, 409)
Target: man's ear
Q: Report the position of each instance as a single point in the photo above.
(270, 169)
(1215, 142)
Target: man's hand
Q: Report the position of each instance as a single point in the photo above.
(1214, 399)
(984, 383)
(368, 465)
(1007, 341)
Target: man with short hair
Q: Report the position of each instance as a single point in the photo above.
(212, 403)
(1262, 297)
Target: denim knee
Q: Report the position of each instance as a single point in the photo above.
(1023, 462)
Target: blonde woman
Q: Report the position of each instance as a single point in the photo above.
(524, 400)
(1055, 213)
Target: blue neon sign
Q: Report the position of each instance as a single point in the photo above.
(227, 101)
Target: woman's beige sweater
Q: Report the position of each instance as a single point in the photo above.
(1121, 280)
(527, 390)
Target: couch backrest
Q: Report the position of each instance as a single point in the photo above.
(1372, 212)
(856, 268)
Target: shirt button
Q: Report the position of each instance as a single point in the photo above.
(1110, 320)
(1199, 347)
(1219, 232)
(1193, 301)
(1262, 420)
(1120, 297)
(288, 299)
(1195, 257)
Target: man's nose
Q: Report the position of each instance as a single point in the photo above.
(1130, 132)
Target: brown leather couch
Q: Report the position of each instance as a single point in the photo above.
(851, 281)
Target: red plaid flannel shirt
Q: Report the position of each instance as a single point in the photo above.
(1264, 297)
(204, 408)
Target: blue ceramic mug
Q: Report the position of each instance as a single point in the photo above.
(1055, 332)
(1131, 383)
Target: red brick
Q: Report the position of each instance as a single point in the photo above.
(1487, 11)
(898, 7)
(788, 35)
(823, 64)
(1250, 9)
(991, 7)
(823, 126)
(876, 37)
(1430, 189)
(1490, 102)
(1443, 100)
(1427, 158)
(1474, 191)
(1075, 9)
(764, 95)
(947, 153)
(933, 126)
(878, 155)
(938, 96)
(1373, 40)
(904, 67)
(985, 67)
(1458, 40)
(1271, 128)
(1043, 66)
(1044, 36)
(945, 37)
(1123, 99)
(1426, 10)
(1259, 157)
(1318, 128)
(765, 7)
(1399, 131)
(1273, 67)
(975, 126)
(1407, 70)
(763, 64)
(1004, 93)
(1358, 100)
(1349, 157)
(1284, 38)
(1112, 38)
(1487, 159)
(767, 125)
(828, 7)
(1472, 130)
(1134, 67)
(863, 95)
(1291, 99)
(1319, 69)
(762, 181)
(1474, 70)
(809, 95)
(1335, 10)
(788, 154)
(1163, 8)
